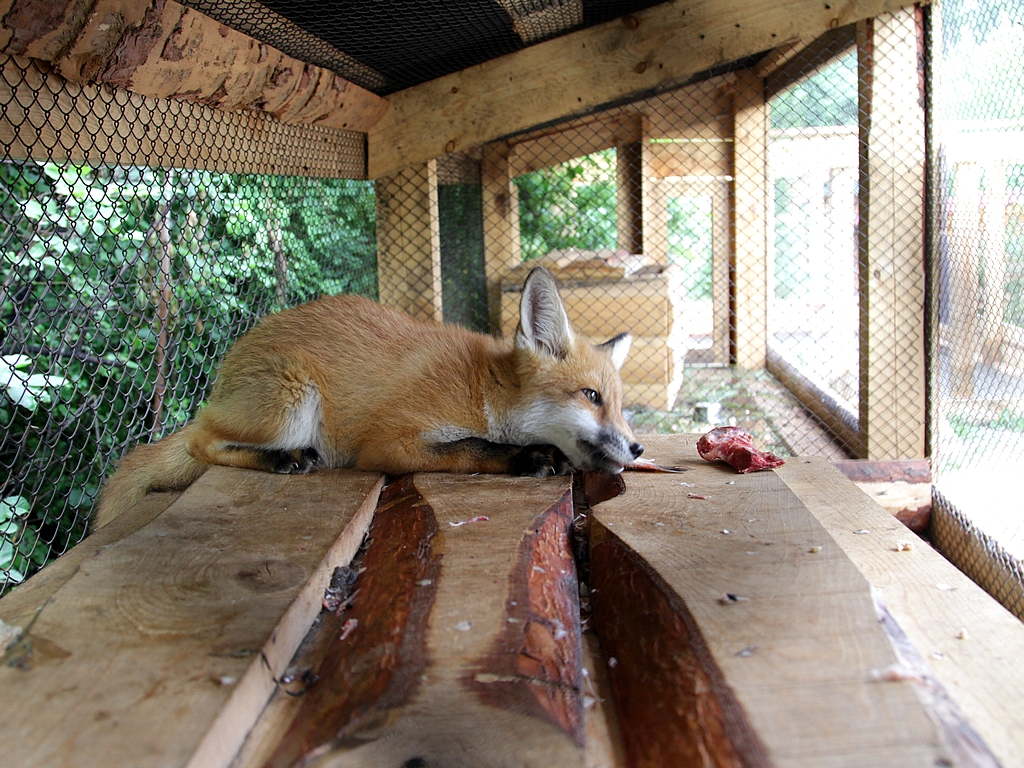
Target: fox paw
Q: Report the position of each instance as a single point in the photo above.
(541, 461)
(294, 462)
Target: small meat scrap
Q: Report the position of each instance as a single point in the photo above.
(735, 446)
(647, 465)
(338, 592)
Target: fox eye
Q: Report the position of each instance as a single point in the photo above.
(593, 396)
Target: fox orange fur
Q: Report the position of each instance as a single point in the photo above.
(346, 382)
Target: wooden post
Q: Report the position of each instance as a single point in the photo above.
(891, 239)
(749, 224)
(629, 194)
(501, 224)
(409, 241)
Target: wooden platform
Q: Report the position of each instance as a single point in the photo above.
(781, 620)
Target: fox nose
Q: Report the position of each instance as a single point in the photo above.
(636, 449)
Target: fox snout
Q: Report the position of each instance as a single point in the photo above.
(611, 452)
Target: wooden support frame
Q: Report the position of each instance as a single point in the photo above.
(749, 225)
(409, 242)
(575, 74)
(891, 238)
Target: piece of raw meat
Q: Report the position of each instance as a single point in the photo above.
(735, 446)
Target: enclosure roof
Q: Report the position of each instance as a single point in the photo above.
(388, 45)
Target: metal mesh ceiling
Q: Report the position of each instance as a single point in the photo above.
(394, 44)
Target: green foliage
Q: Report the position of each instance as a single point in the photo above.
(107, 271)
(690, 243)
(571, 205)
(828, 97)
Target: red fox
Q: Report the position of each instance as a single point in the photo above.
(345, 382)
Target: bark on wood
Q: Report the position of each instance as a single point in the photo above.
(741, 594)
(163, 49)
(465, 645)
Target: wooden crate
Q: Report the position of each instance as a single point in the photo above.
(642, 305)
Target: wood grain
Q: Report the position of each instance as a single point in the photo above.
(576, 73)
(788, 664)
(162, 648)
(493, 673)
(160, 48)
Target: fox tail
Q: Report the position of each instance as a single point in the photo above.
(163, 465)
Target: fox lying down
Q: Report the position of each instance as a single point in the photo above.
(345, 382)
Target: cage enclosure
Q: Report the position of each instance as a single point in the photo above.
(809, 217)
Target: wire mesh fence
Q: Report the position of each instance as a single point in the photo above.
(977, 392)
(760, 230)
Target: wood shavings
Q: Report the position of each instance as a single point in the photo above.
(728, 598)
(348, 628)
(962, 634)
(726, 530)
(747, 652)
(861, 531)
(477, 519)
(945, 587)
(463, 626)
(904, 546)
(896, 673)
(814, 550)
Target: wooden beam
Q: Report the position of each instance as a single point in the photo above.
(574, 74)
(162, 648)
(777, 649)
(750, 279)
(466, 645)
(162, 49)
(44, 117)
(409, 242)
(891, 238)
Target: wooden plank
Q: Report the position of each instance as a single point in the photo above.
(163, 647)
(466, 645)
(782, 675)
(42, 117)
(576, 73)
(970, 641)
(20, 606)
(166, 50)
(629, 191)
(409, 242)
(749, 209)
(891, 238)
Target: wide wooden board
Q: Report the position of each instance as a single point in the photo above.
(748, 600)
(161, 648)
(464, 644)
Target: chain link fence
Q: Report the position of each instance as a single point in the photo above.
(760, 230)
(977, 391)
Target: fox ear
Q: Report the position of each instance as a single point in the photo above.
(617, 349)
(543, 324)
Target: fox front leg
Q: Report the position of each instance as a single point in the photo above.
(475, 454)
